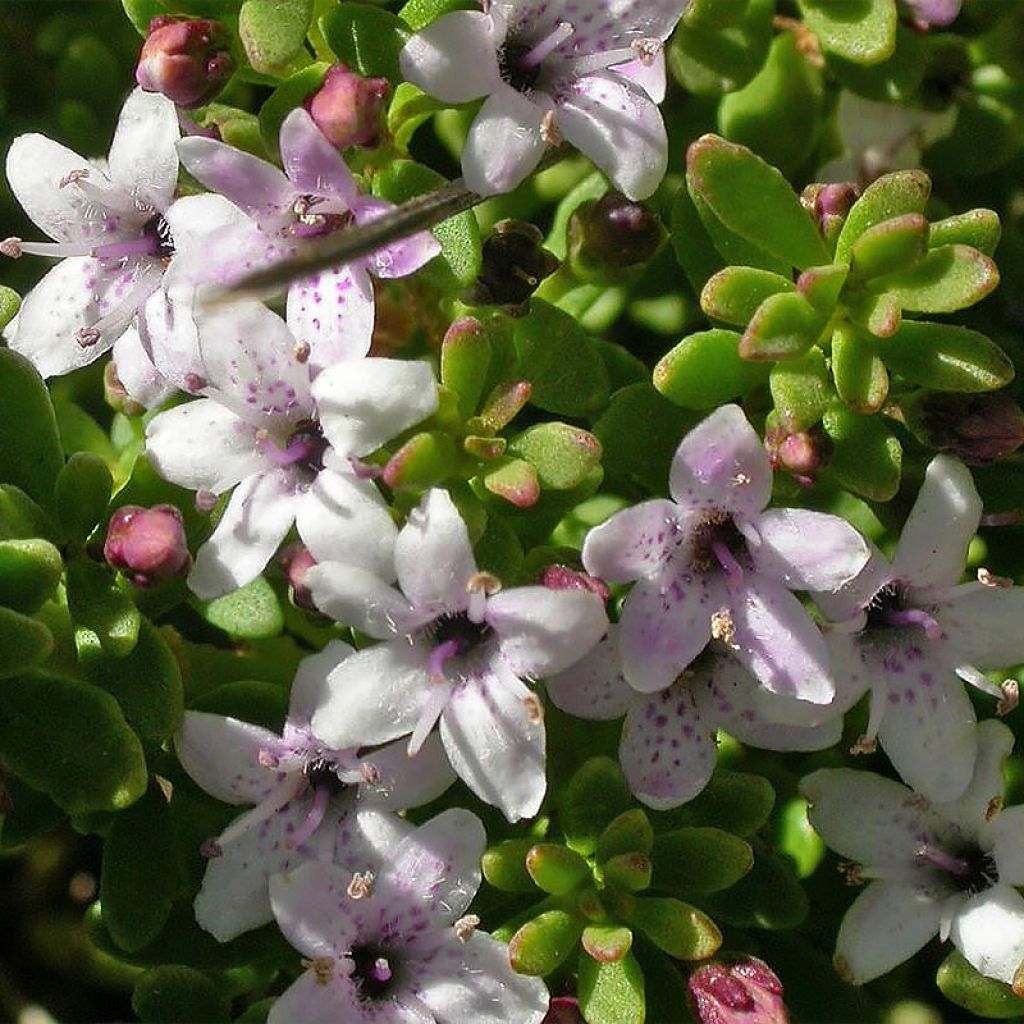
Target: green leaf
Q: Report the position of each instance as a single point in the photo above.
(985, 136)
(556, 869)
(174, 994)
(947, 357)
(630, 832)
(949, 278)
(273, 32)
(142, 12)
(734, 801)
(960, 983)
(769, 896)
(691, 241)
(79, 432)
(867, 458)
(630, 872)
(139, 876)
(22, 519)
(611, 993)
(366, 38)
(694, 861)
(862, 31)
(30, 450)
(822, 286)
(606, 943)
(563, 456)
(504, 865)
(249, 700)
(419, 14)
(70, 740)
(284, 99)
(544, 943)
(878, 313)
(465, 360)
(145, 682)
(29, 815)
(29, 573)
(754, 200)
(705, 369)
(424, 460)
(860, 375)
(892, 195)
(890, 246)
(24, 643)
(96, 602)
(734, 294)
(896, 79)
(784, 326)
(10, 303)
(801, 390)
(252, 612)
(675, 927)
(567, 374)
(595, 795)
(733, 248)
(979, 229)
(713, 13)
(81, 493)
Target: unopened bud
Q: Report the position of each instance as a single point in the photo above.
(925, 14)
(979, 429)
(187, 60)
(561, 577)
(610, 235)
(347, 108)
(296, 561)
(563, 1010)
(514, 264)
(802, 453)
(829, 205)
(147, 544)
(741, 991)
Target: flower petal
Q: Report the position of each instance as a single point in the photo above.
(309, 903)
(505, 142)
(541, 630)
(222, 756)
(665, 625)
(404, 781)
(808, 550)
(454, 58)
(1007, 835)
(722, 463)
(259, 514)
(401, 258)
(989, 931)
(984, 794)
(594, 688)
(933, 546)
(143, 160)
(615, 123)
(374, 696)
(358, 598)
(310, 1000)
(649, 76)
(366, 402)
(983, 625)
(202, 445)
(136, 372)
(636, 542)
(312, 164)
(887, 924)
(310, 685)
(494, 744)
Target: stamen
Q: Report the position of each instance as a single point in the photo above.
(302, 351)
(1010, 698)
(112, 198)
(147, 245)
(549, 131)
(914, 617)
(534, 709)
(147, 280)
(73, 177)
(381, 970)
(727, 560)
(206, 501)
(723, 628)
(87, 336)
(1012, 518)
(431, 712)
(989, 579)
(969, 674)
(954, 866)
(11, 247)
(361, 886)
(853, 873)
(868, 744)
(562, 31)
(591, 62)
(322, 968)
(466, 926)
(267, 759)
(364, 470)
(646, 50)
(321, 798)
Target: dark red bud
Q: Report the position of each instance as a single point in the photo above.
(347, 108)
(736, 991)
(295, 560)
(612, 234)
(514, 264)
(563, 1010)
(147, 544)
(561, 577)
(976, 428)
(188, 61)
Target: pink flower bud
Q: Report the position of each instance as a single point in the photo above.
(186, 60)
(742, 991)
(347, 108)
(561, 577)
(147, 544)
(296, 560)
(926, 14)
(803, 453)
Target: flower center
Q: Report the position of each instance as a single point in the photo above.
(320, 774)
(971, 871)
(373, 973)
(454, 635)
(889, 610)
(520, 64)
(718, 542)
(305, 448)
(158, 231)
(311, 224)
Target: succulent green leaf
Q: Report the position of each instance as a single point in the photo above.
(22, 519)
(592, 798)
(30, 814)
(515, 480)
(784, 326)
(96, 602)
(893, 80)
(892, 195)
(465, 361)
(961, 984)
(367, 39)
(713, 14)
(252, 612)
(611, 993)
(984, 137)
(10, 303)
(734, 249)
(979, 229)
(867, 458)
(544, 943)
(606, 943)
(706, 369)
(769, 896)
(879, 313)
(737, 802)
(801, 389)
(504, 866)
(734, 294)
(628, 871)
(563, 456)
(860, 375)
(81, 493)
(947, 357)
(822, 286)
(754, 200)
(694, 861)
(29, 573)
(556, 869)
(890, 246)
(70, 740)
(249, 700)
(675, 927)
(949, 278)
(862, 31)
(691, 241)
(285, 98)
(30, 449)
(139, 877)
(424, 460)
(418, 14)
(175, 994)
(24, 643)
(630, 832)
(273, 32)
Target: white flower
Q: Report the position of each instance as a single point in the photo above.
(589, 71)
(457, 651)
(398, 949)
(909, 633)
(947, 869)
(285, 441)
(310, 801)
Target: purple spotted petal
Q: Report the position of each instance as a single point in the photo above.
(636, 542)
(595, 687)
(402, 258)
(312, 164)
